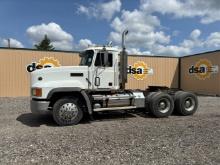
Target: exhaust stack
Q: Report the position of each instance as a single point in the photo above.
(123, 62)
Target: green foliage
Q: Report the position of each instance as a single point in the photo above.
(45, 44)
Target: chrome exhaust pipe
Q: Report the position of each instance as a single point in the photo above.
(123, 62)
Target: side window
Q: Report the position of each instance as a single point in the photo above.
(110, 60)
(100, 60)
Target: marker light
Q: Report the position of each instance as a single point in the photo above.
(36, 92)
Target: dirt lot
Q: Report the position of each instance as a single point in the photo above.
(113, 138)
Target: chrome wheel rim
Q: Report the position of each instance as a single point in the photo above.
(189, 104)
(68, 111)
(164, 105)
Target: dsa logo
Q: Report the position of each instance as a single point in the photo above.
(46, 62)
(139, 70)
(203, 69)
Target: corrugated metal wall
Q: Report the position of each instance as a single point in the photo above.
(15, 80)
(165, 72)
(202, 83)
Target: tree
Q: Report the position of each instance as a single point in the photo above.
(45, 44)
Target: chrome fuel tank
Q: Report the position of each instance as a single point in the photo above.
(119, 100)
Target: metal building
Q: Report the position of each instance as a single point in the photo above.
(198, 73)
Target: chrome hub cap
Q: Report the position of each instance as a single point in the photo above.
(189, 104)
(164, 105)
(68, 111)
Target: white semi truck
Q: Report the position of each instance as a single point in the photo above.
(98, 84)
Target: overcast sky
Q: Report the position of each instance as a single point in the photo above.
(156, 27)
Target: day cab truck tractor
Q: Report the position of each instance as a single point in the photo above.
(98, 84)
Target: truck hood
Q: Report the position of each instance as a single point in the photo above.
(65, 76)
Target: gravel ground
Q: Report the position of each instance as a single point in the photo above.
(113, 138)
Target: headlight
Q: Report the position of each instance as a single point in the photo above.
(36, 92)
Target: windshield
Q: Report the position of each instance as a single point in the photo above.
(86, 58)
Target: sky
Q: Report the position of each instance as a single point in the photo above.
(156, 27)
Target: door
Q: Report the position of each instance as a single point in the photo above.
(104, 71)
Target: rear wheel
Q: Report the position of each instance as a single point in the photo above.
(161, 105)
(186, 103)
(67, 111)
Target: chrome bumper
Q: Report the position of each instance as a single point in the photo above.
(40, 107)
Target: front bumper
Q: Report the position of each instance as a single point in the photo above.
(40, 107)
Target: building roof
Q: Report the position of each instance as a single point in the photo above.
(28, 49)
(113, 49)
(203, 53)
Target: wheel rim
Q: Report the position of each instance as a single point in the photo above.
(189, 104)
(68, 111)
(164, 105)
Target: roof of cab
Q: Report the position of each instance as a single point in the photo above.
(109, 48)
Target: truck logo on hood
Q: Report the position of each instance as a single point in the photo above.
(203, 69)
(46, 62)
(139, 70)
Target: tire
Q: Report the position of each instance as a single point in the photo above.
(177, 94)
(148, 100)
(186, 103)
(67, 111)
(175, 97)
(161, 105)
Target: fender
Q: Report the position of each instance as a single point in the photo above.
(73, 89)
(88, 101)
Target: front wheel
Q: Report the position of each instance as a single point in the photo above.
(161, 105)
(66, 111)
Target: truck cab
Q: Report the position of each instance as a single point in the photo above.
(98, 70)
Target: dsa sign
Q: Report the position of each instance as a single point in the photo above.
(139, 70)
(46, 62)
(203, 69)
